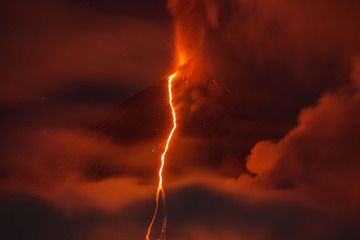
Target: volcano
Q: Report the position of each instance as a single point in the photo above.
(221, 130)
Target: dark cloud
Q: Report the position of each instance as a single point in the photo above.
(143, 9)
(195, 211)
(92, 92)
(215, 211)
(26, 217)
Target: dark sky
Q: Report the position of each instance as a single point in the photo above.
(268, 107)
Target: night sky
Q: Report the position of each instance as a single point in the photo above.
(268, 103)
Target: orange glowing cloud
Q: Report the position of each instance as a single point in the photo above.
(320, 153)
(192, 20)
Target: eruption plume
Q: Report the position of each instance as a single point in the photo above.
(192, 20)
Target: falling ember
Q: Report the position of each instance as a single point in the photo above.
(160, 189)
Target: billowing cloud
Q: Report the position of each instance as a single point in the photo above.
(320, 155)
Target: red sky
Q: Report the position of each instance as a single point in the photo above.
(269, 134)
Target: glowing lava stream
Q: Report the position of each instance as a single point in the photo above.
(160, 188)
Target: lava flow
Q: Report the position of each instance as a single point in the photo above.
(160, 188)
